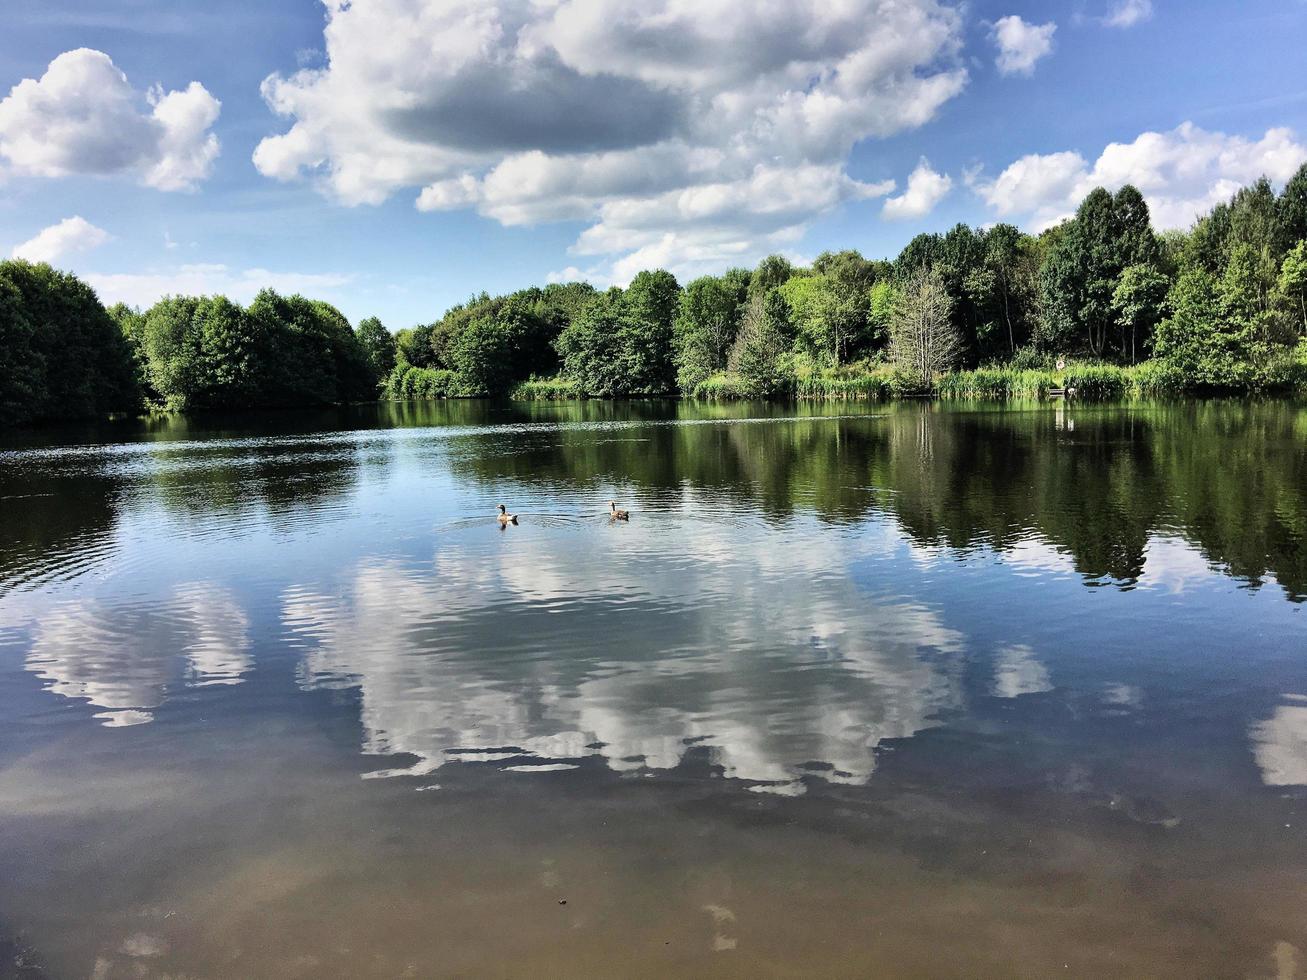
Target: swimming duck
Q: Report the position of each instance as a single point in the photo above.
(505, 517)
(617, 515)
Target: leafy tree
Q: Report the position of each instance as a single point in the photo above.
(1138, 302)
(413, 346)
(707, 320)
(203, 352)
(615, 348)
(1082, 271)
(65, 356)
(500, 347)
(923, 339)
(1218, 335)
(1292, 206)
(773, 271)
(760, 347)
(1291, 286)
(1195, 339)
(22, 368)
(883, 301)
(132, 324)
(378, 347)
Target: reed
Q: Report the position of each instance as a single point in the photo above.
(546, 390)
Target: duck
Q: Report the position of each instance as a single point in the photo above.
(505, 517)
(617, 515)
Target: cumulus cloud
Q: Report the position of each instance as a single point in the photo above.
(71, 235)
(1182, 174)
(1128, 13)
(83, 117)
(682, 132)
(926, 188)
(1021, 44)
(206, 279)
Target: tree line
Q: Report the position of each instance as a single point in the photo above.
(1222, 306)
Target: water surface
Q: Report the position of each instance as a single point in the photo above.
(858, 690)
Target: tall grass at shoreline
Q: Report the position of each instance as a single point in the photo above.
(1086, 382)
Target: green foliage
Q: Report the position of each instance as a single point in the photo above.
(997, 383)
(1292, 207)
(378, 347)
(1138, 303)
(759, 354)
(924, 341)
(1220, 336)
(1222, 307)
(546, 389)
(413, 346)
(772, 272)
(498, 348)
(724, 386)
(1291, 286)
(1081, 274)
(407, 382)
(63, 355)
(707, 320)
(620, 345)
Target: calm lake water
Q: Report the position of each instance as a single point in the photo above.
(858, 691)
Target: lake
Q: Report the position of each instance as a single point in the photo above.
(858, 690)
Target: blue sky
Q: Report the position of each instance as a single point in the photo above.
(435, 148)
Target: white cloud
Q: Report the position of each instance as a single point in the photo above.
(83, 117)
(241, 285)
(660, 125)
(74, 234)
(1128, 13)
(926, 188)
(1182, 174)
(1021, 44)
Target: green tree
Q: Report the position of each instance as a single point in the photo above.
(707, 320)
(378, 347)
(1138, 302)
(773, 271)
(1291, 286)
(613, 347)
(1080, 275)
(65, 356)
(413, 346)
(1292, 206)
(203, 352)
(22, 368)
(758, 355)
(923, 338)
(500, 347)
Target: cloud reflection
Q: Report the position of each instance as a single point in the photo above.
(1280, 744)
(124, 659)
(494, 653)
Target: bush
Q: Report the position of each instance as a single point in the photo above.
(546, 389)
(1097, 382)
(407, 382)
(1156, 378)
(861, 387)
(996, 383)
(723, 386)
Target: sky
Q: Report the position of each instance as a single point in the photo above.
(396, 157)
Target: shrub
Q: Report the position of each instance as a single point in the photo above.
(407, 382)
(546, 389)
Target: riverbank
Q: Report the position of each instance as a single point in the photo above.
(1091, 382)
